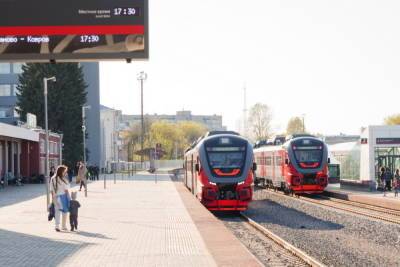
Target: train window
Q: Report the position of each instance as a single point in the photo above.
(231, 160)
(310, 156)
(268, 161)
(278, 161)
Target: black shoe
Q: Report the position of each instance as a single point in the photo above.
(58, 230)
(72, 229)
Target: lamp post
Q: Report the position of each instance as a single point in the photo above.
(84, 140)
(46, 121)
(142, 76)
(304, 128)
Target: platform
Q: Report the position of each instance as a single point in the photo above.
(135, 222)
(373, 198)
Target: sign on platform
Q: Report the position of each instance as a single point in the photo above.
(73, 30)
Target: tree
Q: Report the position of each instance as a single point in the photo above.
(392, 120)
(174, 138)
(295, 126)
(191, 131)
(132, 138)
(260, 117)
(65, 100)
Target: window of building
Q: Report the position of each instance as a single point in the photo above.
(16, 113)
(15, 89)
(5, 90)
(42, 164)
(17, 68)
(5, 112)
(5, 68)
(42, 145)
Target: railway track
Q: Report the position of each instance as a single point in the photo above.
(304, 257)
(375, 212)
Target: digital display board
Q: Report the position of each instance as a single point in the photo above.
(73, 30)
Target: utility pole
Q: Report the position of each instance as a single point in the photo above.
(84, 141)
(142, 76)
(46, 119)
(304, 127)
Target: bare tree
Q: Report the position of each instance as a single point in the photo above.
(260, 117)
(295, 126)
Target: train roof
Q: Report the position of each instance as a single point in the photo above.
(267, 146)
(209, 134)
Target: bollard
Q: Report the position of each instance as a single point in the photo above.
(104, 178)
(115, 178)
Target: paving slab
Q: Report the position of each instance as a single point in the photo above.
(131, 223)
(372, 198)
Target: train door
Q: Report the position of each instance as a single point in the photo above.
(277, 169)
(186, 172)
(193, 174)
(273, 169)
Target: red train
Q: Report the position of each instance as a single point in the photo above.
(219, 171)
(295, 165)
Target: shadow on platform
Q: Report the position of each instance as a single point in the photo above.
(93, 235)
(16, 194)
(19, 249)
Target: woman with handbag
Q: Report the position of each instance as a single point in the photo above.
(59, 188)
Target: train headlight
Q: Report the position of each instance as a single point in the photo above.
(245, 194)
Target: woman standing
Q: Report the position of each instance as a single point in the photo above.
(59, 188)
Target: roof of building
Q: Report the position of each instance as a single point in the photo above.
(348, 146)
(12, 131)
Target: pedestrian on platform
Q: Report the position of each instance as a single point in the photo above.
(73, 212)
(388, 179)
(382, 180)
(96, 171)
(81, 178)
(59, 188)
(52, 171)
(396, 183)
(70, 175)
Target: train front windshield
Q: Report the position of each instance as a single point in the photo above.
(226, 156)
(308, 153)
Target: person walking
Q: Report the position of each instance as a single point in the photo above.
(382, 180)
(388, 179)
(82, 176)
(396, 183)
(59, 188)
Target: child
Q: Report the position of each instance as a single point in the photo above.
(73, 212)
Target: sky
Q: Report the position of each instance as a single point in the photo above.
(337, 62)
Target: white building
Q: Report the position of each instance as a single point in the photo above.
(109, 122)
(212, 122)
(378, 146)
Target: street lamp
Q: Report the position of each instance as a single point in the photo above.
(142, 76)
(46, 121)
(304, 128)
(84, 139)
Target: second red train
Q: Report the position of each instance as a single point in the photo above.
(295, 165)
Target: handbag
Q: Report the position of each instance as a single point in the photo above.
(64, 202)
(52, 212)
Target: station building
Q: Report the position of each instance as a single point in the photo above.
(22, 152)
(361, 160)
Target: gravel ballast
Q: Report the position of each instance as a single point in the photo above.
(333, 237)
(266, 250)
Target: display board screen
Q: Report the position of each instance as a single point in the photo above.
(73, 30)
